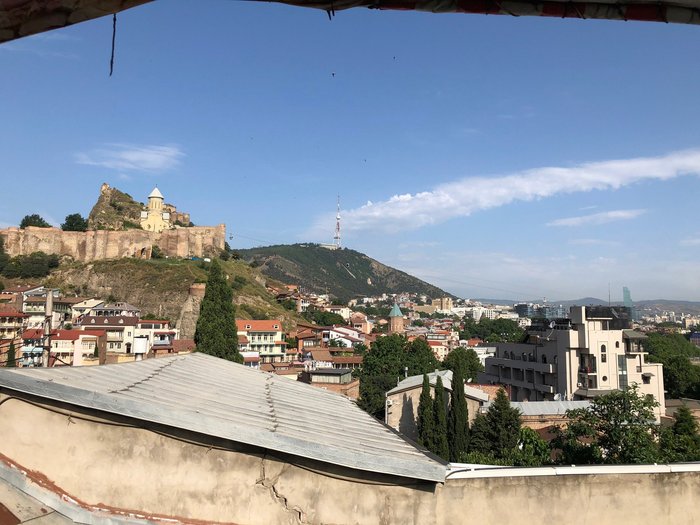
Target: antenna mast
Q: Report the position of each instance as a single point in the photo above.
(336, 238)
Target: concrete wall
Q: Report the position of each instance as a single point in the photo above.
(126, 469)
(94, 245)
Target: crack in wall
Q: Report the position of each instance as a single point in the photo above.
(270, 484)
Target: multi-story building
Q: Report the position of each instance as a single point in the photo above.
(159, 334)
(592, 353)
(264, 337)
(120, 330)
(115, 309)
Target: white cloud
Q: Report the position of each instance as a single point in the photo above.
(592, 242)
(129, 157)
(466, 196)
(692, 241)
(597, 218)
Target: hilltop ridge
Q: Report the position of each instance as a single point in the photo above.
(343, 273)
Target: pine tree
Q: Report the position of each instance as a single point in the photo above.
(458, 419)
(216, 333)
(440, 446)
(504, 425)
(10, 362)
(426, 426)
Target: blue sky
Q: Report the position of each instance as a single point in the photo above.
(503, 157)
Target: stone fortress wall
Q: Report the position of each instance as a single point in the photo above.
(196, 241)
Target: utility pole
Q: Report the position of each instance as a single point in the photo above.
(48, 315)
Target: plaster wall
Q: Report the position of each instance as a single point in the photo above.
(108, 464)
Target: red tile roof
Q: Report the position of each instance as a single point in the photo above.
(259, 325)
(12, 313)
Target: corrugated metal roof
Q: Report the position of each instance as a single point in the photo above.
(542, 408)
(214, 397)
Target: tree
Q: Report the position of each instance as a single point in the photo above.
(532, 450)
(216, 332)
(382, 366)
(618, 428)
(440, 445)
(4, 258)
(466, 361)
(420, 358)
(681, 441)
(426, 426)
(496, 433)
(11, 358)
(75, 223)
(458, 419)
(34, 220)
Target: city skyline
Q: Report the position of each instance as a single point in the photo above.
(492, 171)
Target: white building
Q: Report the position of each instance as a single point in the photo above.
(592, 353)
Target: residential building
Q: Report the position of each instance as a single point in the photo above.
(338, 380)
(443, 304)
(265, 337)
(76, 347)
(119, 309)
(592, 353)
(120, 331)
(11, 324)
(159, 334)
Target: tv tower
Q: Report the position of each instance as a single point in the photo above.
(336, 237)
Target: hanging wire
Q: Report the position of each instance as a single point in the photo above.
(114, 36)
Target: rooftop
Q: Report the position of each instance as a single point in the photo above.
(203, 394)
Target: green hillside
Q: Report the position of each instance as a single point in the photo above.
(342, 273)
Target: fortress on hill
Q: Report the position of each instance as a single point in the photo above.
(120, 227)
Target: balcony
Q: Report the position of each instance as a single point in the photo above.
(545, 368)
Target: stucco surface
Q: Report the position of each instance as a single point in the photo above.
(105, 464)
(94, 245)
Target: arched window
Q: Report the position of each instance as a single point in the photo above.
(544, 359)
(603, 349)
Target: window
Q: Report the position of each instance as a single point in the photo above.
(544, 359)
(603, 348)
(646, 379)
(617, 344)
(604, 358)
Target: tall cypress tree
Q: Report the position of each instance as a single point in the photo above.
(440, 446)
(426, 426)
(216, 333)
(11, 358)
(458, 418)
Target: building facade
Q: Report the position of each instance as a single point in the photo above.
(592, 353)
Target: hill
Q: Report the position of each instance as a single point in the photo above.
(161, 287)
(343, 273)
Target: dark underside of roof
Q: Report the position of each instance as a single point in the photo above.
(19, 18)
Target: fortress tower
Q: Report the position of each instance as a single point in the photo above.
(155, 218)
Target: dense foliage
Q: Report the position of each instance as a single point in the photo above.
(441, 445)
(618, 428)
(216, 333)
(37, 264)
(465, 362)
(492, 331)
(457, 419)
(681, 377)
(322, 318)
(387, 362)
(75, 223)
(34, 220)
(426, 428)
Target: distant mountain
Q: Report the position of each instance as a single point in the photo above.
(343, 273)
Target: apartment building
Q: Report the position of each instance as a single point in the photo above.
(591, 353)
